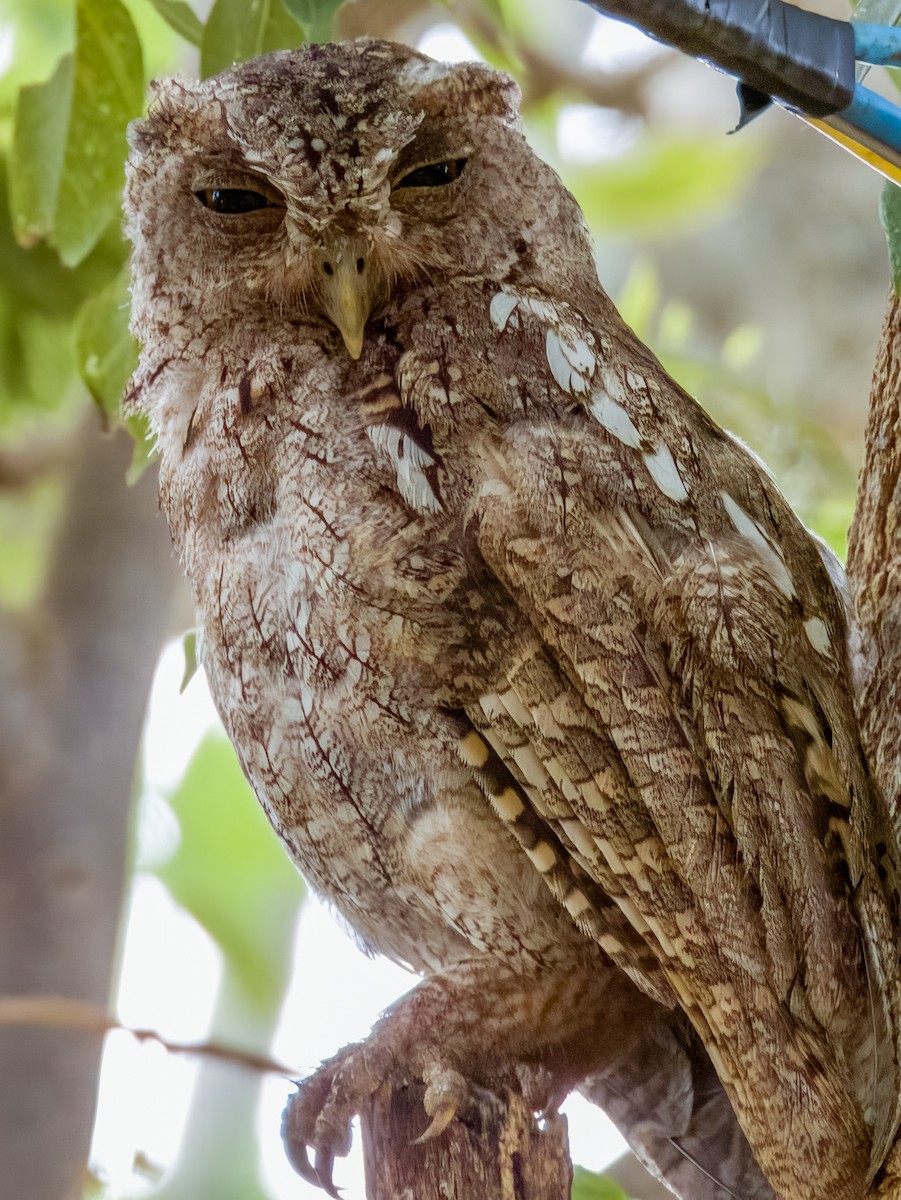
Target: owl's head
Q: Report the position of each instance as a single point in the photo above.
(323, 182)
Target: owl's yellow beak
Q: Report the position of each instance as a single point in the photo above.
(350, 289)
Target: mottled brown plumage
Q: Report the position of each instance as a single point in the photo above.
(539, 679)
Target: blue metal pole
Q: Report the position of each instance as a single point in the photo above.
(876, 116)
(877, 44)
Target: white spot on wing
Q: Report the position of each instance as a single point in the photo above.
(818, 636)
(494, 487)
(502, 305)
(663, 470)
(410, 462)
(571, 361)
(615, 419)
(750, 529)
(544, 310)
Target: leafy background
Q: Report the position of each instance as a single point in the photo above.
(753, 265)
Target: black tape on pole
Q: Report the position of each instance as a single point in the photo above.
(804, 59)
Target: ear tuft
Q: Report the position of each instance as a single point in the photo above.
(442, 88)
(167, 98)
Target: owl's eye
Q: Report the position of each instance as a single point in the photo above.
(231, 201)
(434, 175)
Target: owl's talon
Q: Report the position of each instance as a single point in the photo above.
(324, 1163)
(439, 1122)
(446, 1094)
(293, 1137)
(303, 1129)
(300, 1161)
(317, 1118)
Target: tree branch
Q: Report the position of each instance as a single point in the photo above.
(874, 566)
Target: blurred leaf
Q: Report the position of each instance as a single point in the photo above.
(282, 31)
(144, 447)
(107, 353)
(41, 32)
(890, 212)
(662, 182)
(676, 323)
(69, 143)
(231, 872)
(237, 30)
(46, 348)
(36, 278)
(192, 661)
(639, 297)
(39, 148)
(741, 347)
(182, 18)
(587, 1186)
(316, 17)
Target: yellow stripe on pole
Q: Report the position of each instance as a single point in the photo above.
(870, 151)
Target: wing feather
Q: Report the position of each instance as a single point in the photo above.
(704, 801)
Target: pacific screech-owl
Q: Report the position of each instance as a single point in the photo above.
(535, 673)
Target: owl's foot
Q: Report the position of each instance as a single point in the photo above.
(318, 1116)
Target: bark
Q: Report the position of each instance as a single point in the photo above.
(497, 1151)
(74, 679)
(874, 575)
(874, 565)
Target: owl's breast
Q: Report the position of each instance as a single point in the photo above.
(337, 634)
(325, 535)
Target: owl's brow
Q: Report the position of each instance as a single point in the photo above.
(432, 142)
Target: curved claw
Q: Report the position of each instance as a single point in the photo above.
(324, 1164)
(295, 1143)
(441, 1118)
(300, 1161)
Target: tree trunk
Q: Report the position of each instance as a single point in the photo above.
(874, 573)
(874, 566)
(74, 679)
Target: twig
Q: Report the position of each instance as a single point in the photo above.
(63, 1012)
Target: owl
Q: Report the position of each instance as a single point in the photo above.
(538, 678)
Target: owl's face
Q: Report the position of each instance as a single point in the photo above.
(318, 185)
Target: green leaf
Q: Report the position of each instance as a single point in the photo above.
(107, 353)
(39, 149)
(144, 447)
(237, 30)
(317, 17)
(182, 18)
(282, 31)
(231, 872)
(891, 223)
(69, 142)
(587, 1186)
(192, 661)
